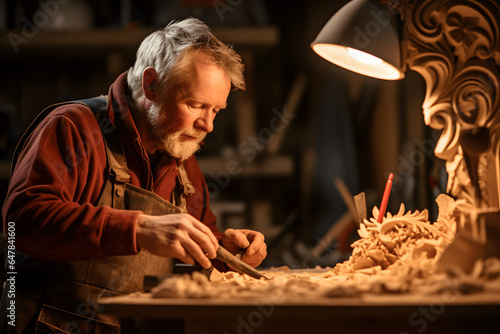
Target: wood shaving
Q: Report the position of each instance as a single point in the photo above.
(396, 256)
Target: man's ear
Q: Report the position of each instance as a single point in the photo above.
(150, 81)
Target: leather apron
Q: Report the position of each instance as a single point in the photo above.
(62, 296)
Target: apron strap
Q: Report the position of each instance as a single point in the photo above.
(118, 174)
(117, 163)
(185, 188)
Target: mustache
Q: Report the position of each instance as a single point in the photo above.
(200, 135)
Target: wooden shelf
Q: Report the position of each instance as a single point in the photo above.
(273, 166)
(248, 36)
(106, 39)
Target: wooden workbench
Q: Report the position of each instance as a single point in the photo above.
(369, 313)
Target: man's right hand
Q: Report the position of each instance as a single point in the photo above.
(177, 235)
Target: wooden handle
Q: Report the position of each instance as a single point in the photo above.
(238, 265)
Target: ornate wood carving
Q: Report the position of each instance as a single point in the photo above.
(454, 45)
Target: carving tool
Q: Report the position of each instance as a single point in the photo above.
(360, 204)
(236, 264)
(385, 198)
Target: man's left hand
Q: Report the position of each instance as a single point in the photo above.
(252, 241)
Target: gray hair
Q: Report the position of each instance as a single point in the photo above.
(161, 50)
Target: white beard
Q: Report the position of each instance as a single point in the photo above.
(173, 143)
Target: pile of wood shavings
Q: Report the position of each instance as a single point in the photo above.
(395, 256)
(310, 285)
(402, 238)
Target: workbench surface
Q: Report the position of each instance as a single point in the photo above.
(377, 313)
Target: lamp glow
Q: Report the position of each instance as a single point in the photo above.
(346, 41)
(364, 57)
(367, 64)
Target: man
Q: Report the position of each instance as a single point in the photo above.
(105, 191)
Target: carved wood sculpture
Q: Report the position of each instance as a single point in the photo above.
(454, 45)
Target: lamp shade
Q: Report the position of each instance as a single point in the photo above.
(363, 37)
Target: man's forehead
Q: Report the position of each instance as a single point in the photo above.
(188, 93)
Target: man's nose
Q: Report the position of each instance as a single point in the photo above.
(206, 121)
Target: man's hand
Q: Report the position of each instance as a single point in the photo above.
(256, 249)
(177, 235)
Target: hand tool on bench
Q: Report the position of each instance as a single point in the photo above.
(225, 256)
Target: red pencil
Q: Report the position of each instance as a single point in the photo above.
(385, 198)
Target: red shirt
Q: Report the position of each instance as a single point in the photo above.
(59, 176)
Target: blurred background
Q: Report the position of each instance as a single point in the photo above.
(284, 151)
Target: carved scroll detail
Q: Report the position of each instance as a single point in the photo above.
(454, 46)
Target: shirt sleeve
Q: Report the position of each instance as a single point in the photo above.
(53, 190)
